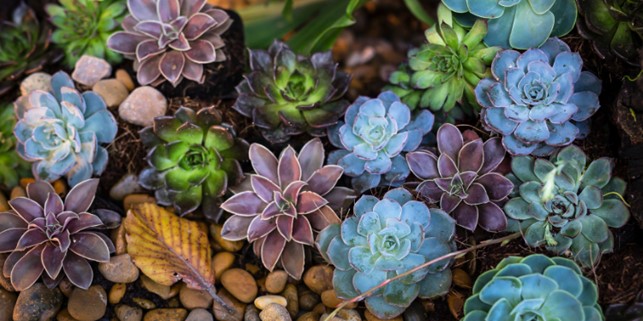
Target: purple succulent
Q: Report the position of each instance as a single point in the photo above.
(285, 203)
(463, 177)
(44, 234)
(171, 39)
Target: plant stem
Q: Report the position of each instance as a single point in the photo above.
(419, 267)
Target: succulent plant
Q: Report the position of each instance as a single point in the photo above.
(83, 26)
(615, 27)
(12, 167)
(281, 207)
(540, 100)
(386, 238)
(444, 72)
(193, 158)
(534, 288)
(287, 94)
(463, 177)
(44, 234)
(519, 24)
(373, 136)
(171, 39)
(567, 204)
(61, 132)
(24, 47)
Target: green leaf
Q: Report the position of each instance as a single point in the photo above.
(613, 212)
(598, 173)
(418, 11)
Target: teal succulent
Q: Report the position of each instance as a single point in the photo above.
(193, 158)
(534, 288)
(518, 24)
(83, 26)
(567, 204)
(12, 167)
(384, 239)
(61, 132)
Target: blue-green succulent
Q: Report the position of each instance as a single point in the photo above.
(374, 134)
(567, 204)
(386, 238)
(519, 24)
(60, 132)
(539, 100)
(534, 288)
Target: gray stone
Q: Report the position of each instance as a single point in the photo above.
(128, 313)
(200, 315)
(128, 184)
(89, 70)
(35, 81)
(119, 269)
(252, 313)
(275, 312)
(37, 303)
(142, 106)
(87, 305)
(112, 91)
(8, 300)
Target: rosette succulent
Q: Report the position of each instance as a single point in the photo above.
(287, 94)
(615, 27)
(171, 39)
(519, 24)
(61, 132)
(373, 136)
(540, 100)
(445, 72)
(385, 238)
(83, 26)
(534, 288)
(193, 157)
(464, 179)
(54, 239)
(281, 207)
(12, 167)
(566, 204)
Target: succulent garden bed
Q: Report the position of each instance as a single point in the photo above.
(321, 160)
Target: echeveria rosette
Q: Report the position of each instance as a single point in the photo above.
(463, 178)
(539, 100)
(281, 207)
(171, 39)
(47, 237)
(372, 138)
(566, 204)
(287, 94)
(383, 239)
(518, 24)
(193, 158)
(12, 167)
(533, 288)
(61, 132)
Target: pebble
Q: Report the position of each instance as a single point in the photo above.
(276, 281)
(252, 314)
(5, 283)
(124, 77)
(163, 291)
(119, 269)
(263, 301)
(222, 314)
(37, 303)
(221, 262)
(371, 317)
(128, 184)
(36, 81)
(230, 246)
(66, 287)
(128, 313)
(89, 70)
(193, 299)
(87, 305)
(64, 315)
(4, 205)
(17, 192)
(112, 91)
(309, 316)
(329, 298)
(200, 315)
(275, 312)
(290, 293)
(319, 278)
(240, 284)
(130, 200)
(142, 106)
(8, 300)
(344, 315)
(116, 293)
(307, 299)
(320, 308)
(119, 239)
(166, 315)
(144, 303)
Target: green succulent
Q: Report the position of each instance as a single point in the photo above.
(193, 158)
(12, 167)
(83, 26)
(444, 73)
(566, 204)
(534, 288)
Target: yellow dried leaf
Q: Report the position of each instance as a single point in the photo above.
(455, 301)
(461, 279)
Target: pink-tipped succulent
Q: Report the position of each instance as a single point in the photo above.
(54, 239)
(283, 205)
(171, 39)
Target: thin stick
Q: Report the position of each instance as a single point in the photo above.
(419, 267)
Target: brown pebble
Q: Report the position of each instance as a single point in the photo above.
(240, 284)
(124, 77)
(66, 287)
(292, 299)
(276, 281)
(144, 303)
(17, 192)
(166, 315)
(60, 187)
(221, 262)
(119, 269)
(320, 308)
(329, 298)
(222, 314)
(163, 291)
(26, 181)
(128, 313)
(4, 205)
(309, 316)
(8, 300)
(200, 315)
(319, 278)
(37, 303)
(275, 312)
(112, 91)
(63, 315)
(119, 239)
(307, 299)
(371, 317)
(130, 200)
(193, 299)
(87, 305)
(263, 301)
(117, 292)
(230, 246)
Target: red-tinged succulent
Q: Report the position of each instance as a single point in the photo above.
(285, 203)
(463, 177)
(171, 39)
(54, 239)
